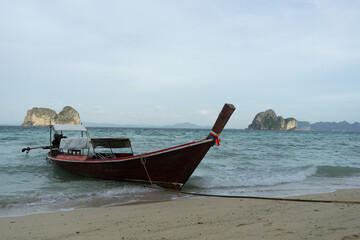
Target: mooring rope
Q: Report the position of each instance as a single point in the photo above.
(257, 198)
(143, 162)
(269, 198)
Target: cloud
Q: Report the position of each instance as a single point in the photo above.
(205, 112)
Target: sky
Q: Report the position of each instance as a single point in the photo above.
(161, 62)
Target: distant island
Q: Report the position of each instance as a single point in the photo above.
(43, 116)
(268, 120)
(329, 126)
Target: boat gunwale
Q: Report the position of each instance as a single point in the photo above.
(123, 159)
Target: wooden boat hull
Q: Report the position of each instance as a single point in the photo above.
(169, 168)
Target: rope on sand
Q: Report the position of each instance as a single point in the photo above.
(257, 198)
(268, 198)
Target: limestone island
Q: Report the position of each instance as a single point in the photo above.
(269, 121)
(43, 116)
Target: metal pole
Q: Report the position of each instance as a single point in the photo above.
(50, 137)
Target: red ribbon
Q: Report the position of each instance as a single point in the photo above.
(215, 137)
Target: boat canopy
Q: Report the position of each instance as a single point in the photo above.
(111, 142)
(63, 127)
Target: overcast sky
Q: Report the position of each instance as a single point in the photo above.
(167, 62)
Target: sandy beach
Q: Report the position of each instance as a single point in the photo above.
(198, 218)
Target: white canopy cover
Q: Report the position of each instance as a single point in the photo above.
(63, 127)
(75, 143)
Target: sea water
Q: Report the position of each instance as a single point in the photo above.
(247, 163)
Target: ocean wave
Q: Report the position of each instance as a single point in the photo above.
(48, 200)
(337, 171)
(249, 179)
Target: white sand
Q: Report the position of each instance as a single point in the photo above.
(200, 218)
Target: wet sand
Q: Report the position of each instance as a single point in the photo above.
(199, 218)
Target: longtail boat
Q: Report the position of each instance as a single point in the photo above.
(100, 157)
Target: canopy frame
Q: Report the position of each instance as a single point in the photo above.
(59, 128)
(111, 143)
(74, 128)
